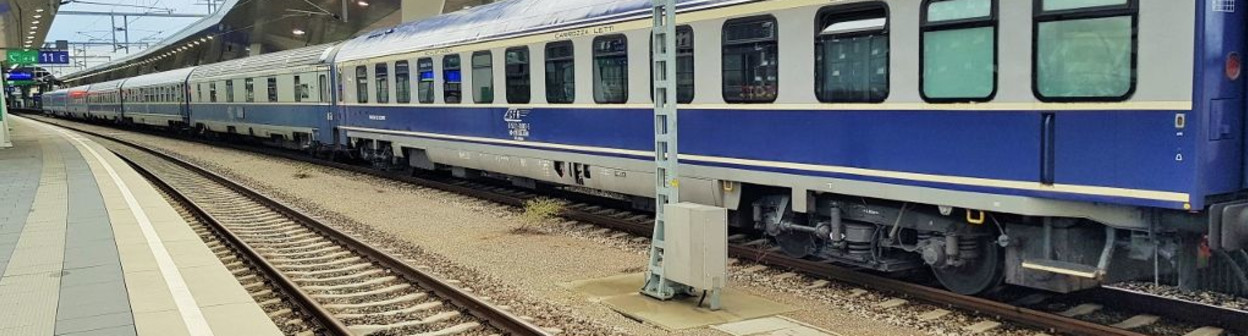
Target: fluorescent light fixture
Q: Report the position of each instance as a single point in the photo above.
(298, 31)
(362, 3)
(38, 16)
(39, 10)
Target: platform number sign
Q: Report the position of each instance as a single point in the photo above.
(53, 57)
(1225, 6)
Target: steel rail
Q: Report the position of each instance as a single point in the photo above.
(1148, 303)
(301, 298)
(504, 321)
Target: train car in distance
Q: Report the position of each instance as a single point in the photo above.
(158, 99)
(104, 101)
(56, 102)
(282, 97)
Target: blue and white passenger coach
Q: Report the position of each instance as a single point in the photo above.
(1040, 141)
(158, 99)
(282, 96)
(103, 100)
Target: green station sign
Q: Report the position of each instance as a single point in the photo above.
(22, 56)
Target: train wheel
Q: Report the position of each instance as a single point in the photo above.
(976, 277)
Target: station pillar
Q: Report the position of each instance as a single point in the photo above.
(5, 137)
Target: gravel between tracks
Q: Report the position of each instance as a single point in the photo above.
(470, 241)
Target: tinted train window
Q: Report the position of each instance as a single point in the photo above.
(199, 92)
(361, 84)
(452, 80)
(610, 69)
(301, 90)
(959, 50)
(684, 64)
(249, 86)
(1084, 50)
(212, 92)
(383, 84)
(560, 73)
(272, 84)
(402, 83)
(229, 90)
(517, 72)
(482, 78)
(851, 53)
(751, 60)
(324, 88)
(424, 67)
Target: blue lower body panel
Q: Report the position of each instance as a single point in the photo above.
(304, 117)
(1120, 157)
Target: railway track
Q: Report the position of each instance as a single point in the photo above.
(1205, 317)
(274, 299)
(346, 286)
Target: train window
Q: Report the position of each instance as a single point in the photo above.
(212, 92)
(323, 83)
(1084, 50)
(425, 88)
(852, 53)
(452, 80)
(517, 72)
(959, 58)
(249, 89)
(611, 69)
(301, 90)
(482, 77)
(361, 84)
(272, 86)
(560, 73)
(199, 92)
(383, 84)
(229, 91)
(402, 82)
(1053, 5)
(750, 60)
(684, 64)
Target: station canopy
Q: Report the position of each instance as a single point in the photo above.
(244, 28)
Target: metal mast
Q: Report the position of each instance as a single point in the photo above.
(667, 183)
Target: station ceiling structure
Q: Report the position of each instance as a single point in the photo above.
(25, 22)
(251, 27)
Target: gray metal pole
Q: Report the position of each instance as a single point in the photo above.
(113, 28)
(125, 20)
(667, 182)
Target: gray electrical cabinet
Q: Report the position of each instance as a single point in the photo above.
(696, 252)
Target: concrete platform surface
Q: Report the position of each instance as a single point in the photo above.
(620, 292)
(89, 247)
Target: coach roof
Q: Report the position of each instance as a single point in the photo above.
(500, 20)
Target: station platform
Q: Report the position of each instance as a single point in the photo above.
(89, 247)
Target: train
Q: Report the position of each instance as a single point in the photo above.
(1050, 144)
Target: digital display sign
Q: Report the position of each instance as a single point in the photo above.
(19, 75)
(452, 76)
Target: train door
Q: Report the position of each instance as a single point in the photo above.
(1223, 93)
